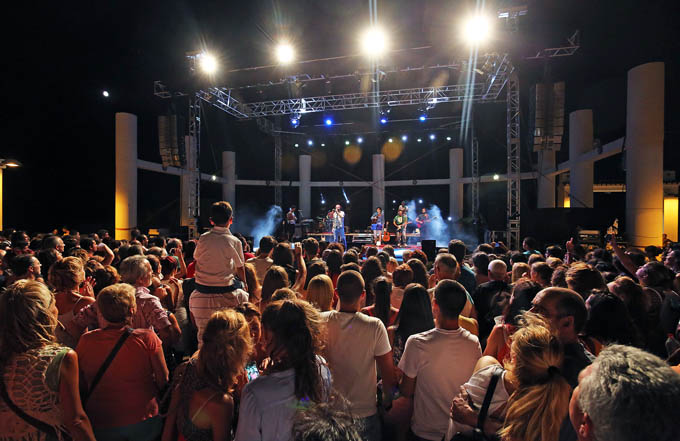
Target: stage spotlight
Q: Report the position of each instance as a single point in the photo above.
(105, 93)
(323, 144)
(394, 201)
(404, 138)
(432, 137)
(310, 142)
(328, 122)
(448, 138)
(449, 218)
(297, 145)
(420, 201)
(496, 177)
(295, 120)
(360, 140)
(383, 120)
(422, 117)
(420, 140)
(373, 42)
(346, 142)
(323, 202)
(389, 140)
(213, 177)
(477, 29)
(207, 63)
(285, 53)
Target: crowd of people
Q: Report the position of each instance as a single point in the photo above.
(157, 338)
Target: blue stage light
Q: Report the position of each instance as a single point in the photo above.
(383, 120)
(422, 117)
(328, 122)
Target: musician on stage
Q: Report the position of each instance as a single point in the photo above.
(422, 222)
(291, 220)
(403, 207)
(377, 221)
(337, 217)
(400, 221)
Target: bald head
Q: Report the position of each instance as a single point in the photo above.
(445, 266)
(498, 270)
(565, 309)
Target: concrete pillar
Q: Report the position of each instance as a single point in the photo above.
(546, 184)
(378, 182)
(456, 184)
(560, 190)
(305, 197)
(644, 154)
(581, 141)
(126, 175)
(229, 174)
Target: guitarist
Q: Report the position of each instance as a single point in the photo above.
(400, 221)
(377, 221)
(422, 221)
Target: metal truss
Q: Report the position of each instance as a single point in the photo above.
(475, 179)
(194, 165)
(514, 172)
(278, 153)
(573, 44)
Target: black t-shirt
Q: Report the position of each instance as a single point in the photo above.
(485, 297)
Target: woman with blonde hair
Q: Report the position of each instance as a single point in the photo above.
(254, 288)
(38, 377)
(276, 277)
(531, 398)
(202, 405)
(520, 270)
(320, 292)
(65, 276)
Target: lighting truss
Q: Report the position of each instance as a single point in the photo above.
(573, 44)
(514, 172)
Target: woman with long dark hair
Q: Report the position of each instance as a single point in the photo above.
(382, 308)
(415, 315)
(419, 271)
(296, 376)
(371, 270)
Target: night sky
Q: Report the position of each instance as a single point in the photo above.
(59, 57)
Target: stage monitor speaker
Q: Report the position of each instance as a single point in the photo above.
(430, 249)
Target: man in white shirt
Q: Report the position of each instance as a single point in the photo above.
(355, 344)
(262, 261)
(219, 258)
(437, 362)
(338, 224)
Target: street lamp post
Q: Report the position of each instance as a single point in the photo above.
(4, 163)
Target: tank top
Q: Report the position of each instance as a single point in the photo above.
(191, 382)
(32, 382)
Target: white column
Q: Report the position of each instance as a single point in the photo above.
(378, 182)
(644, 154)
(126, 175)
(305, 195)
(546, 184)
(229, 174)
(456, 184)
(581, 174)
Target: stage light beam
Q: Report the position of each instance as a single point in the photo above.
(373, 42)
(328, 121)
(432, 137)
(207, 63)
(496, 177)
(360, 140)
(477, 29)
(310, 142)
(404, 138)
(346, 142)
(285, 54)
(105, 93)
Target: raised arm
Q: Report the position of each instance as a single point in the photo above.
(73, 415)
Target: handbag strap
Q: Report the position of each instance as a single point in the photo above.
(107, 363)
(487, 398)
(40, 425)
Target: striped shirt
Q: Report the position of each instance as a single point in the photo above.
(203, 305)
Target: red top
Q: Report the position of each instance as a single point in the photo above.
(370, 310)
(248, 255)
(191, 270)
(126, 393)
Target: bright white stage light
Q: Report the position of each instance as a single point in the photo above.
(404, 138)
(360, 140)
(213, 177)
(310, 143)
(207, 63)
(432, 137)
(420, 140)
(390, 140)
(449, 218)
(394, 201)
(373, 42)
(323, 144)
(285, 53)
(477, 29)
(297, 145)
(420, 201)
(448, 138)
(105, 93)
(496, 177)
(346, 142)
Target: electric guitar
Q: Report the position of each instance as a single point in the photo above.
(420, 224)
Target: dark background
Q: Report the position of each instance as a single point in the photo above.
(59, 57)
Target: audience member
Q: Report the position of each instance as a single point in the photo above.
(382, 308)
(320, 292)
